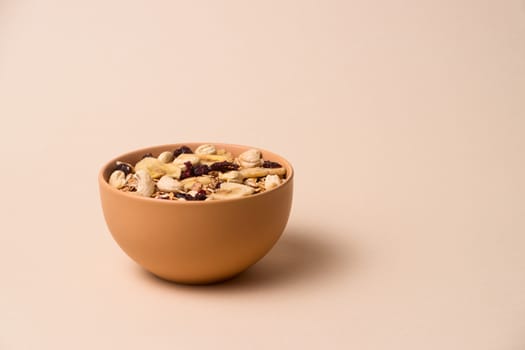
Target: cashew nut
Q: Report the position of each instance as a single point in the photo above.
(186, 157)
(250, 158)
(145, 185)
(206, 149)
(117, 179)
(231, 176)
(168, 184)
(271, 181)
(166, 157)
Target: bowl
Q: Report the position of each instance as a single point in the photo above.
(196, 242)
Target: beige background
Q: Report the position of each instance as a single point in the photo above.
(405, 122)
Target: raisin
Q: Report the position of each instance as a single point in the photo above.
(125, 168)
(147, 155)
(269, 164)
(224, 166)
(181, 150)
(201, 195)
(188, 172)
(200, 170)
(186, 196)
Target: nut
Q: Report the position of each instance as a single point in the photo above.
(117, 179)
(166, 157)
(206, 149)
(145, 185)
(250, 158)
(271, 181)
(168, 184)
(186, 157)
(231, 176)
(231, 190)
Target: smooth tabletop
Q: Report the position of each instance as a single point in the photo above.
(404, 121)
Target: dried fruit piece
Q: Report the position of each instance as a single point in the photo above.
(181, 150)
(201, 195)
(254, 172)
(269, 164)
(201, 169)
(153, 166)
(125, 167)
(224, 166)
(277, 171)
(190, 181)
(183, 196)
(231, 190)
(188, 171)
(172, 170)
(216, 157)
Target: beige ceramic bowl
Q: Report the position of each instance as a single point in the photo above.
(197, 241)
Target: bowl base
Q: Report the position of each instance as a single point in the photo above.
(196, 282)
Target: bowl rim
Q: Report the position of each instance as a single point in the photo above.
(102, 181)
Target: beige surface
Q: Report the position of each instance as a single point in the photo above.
(404, 120)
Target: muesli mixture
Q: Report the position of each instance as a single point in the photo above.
(206, 173)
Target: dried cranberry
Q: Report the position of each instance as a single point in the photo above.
(147, 155)
(200, 170)
(224, 166)
(181, 150)
(126, 168)
(186, 196)
(188, 172)
(269, 164)
(201, 195)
